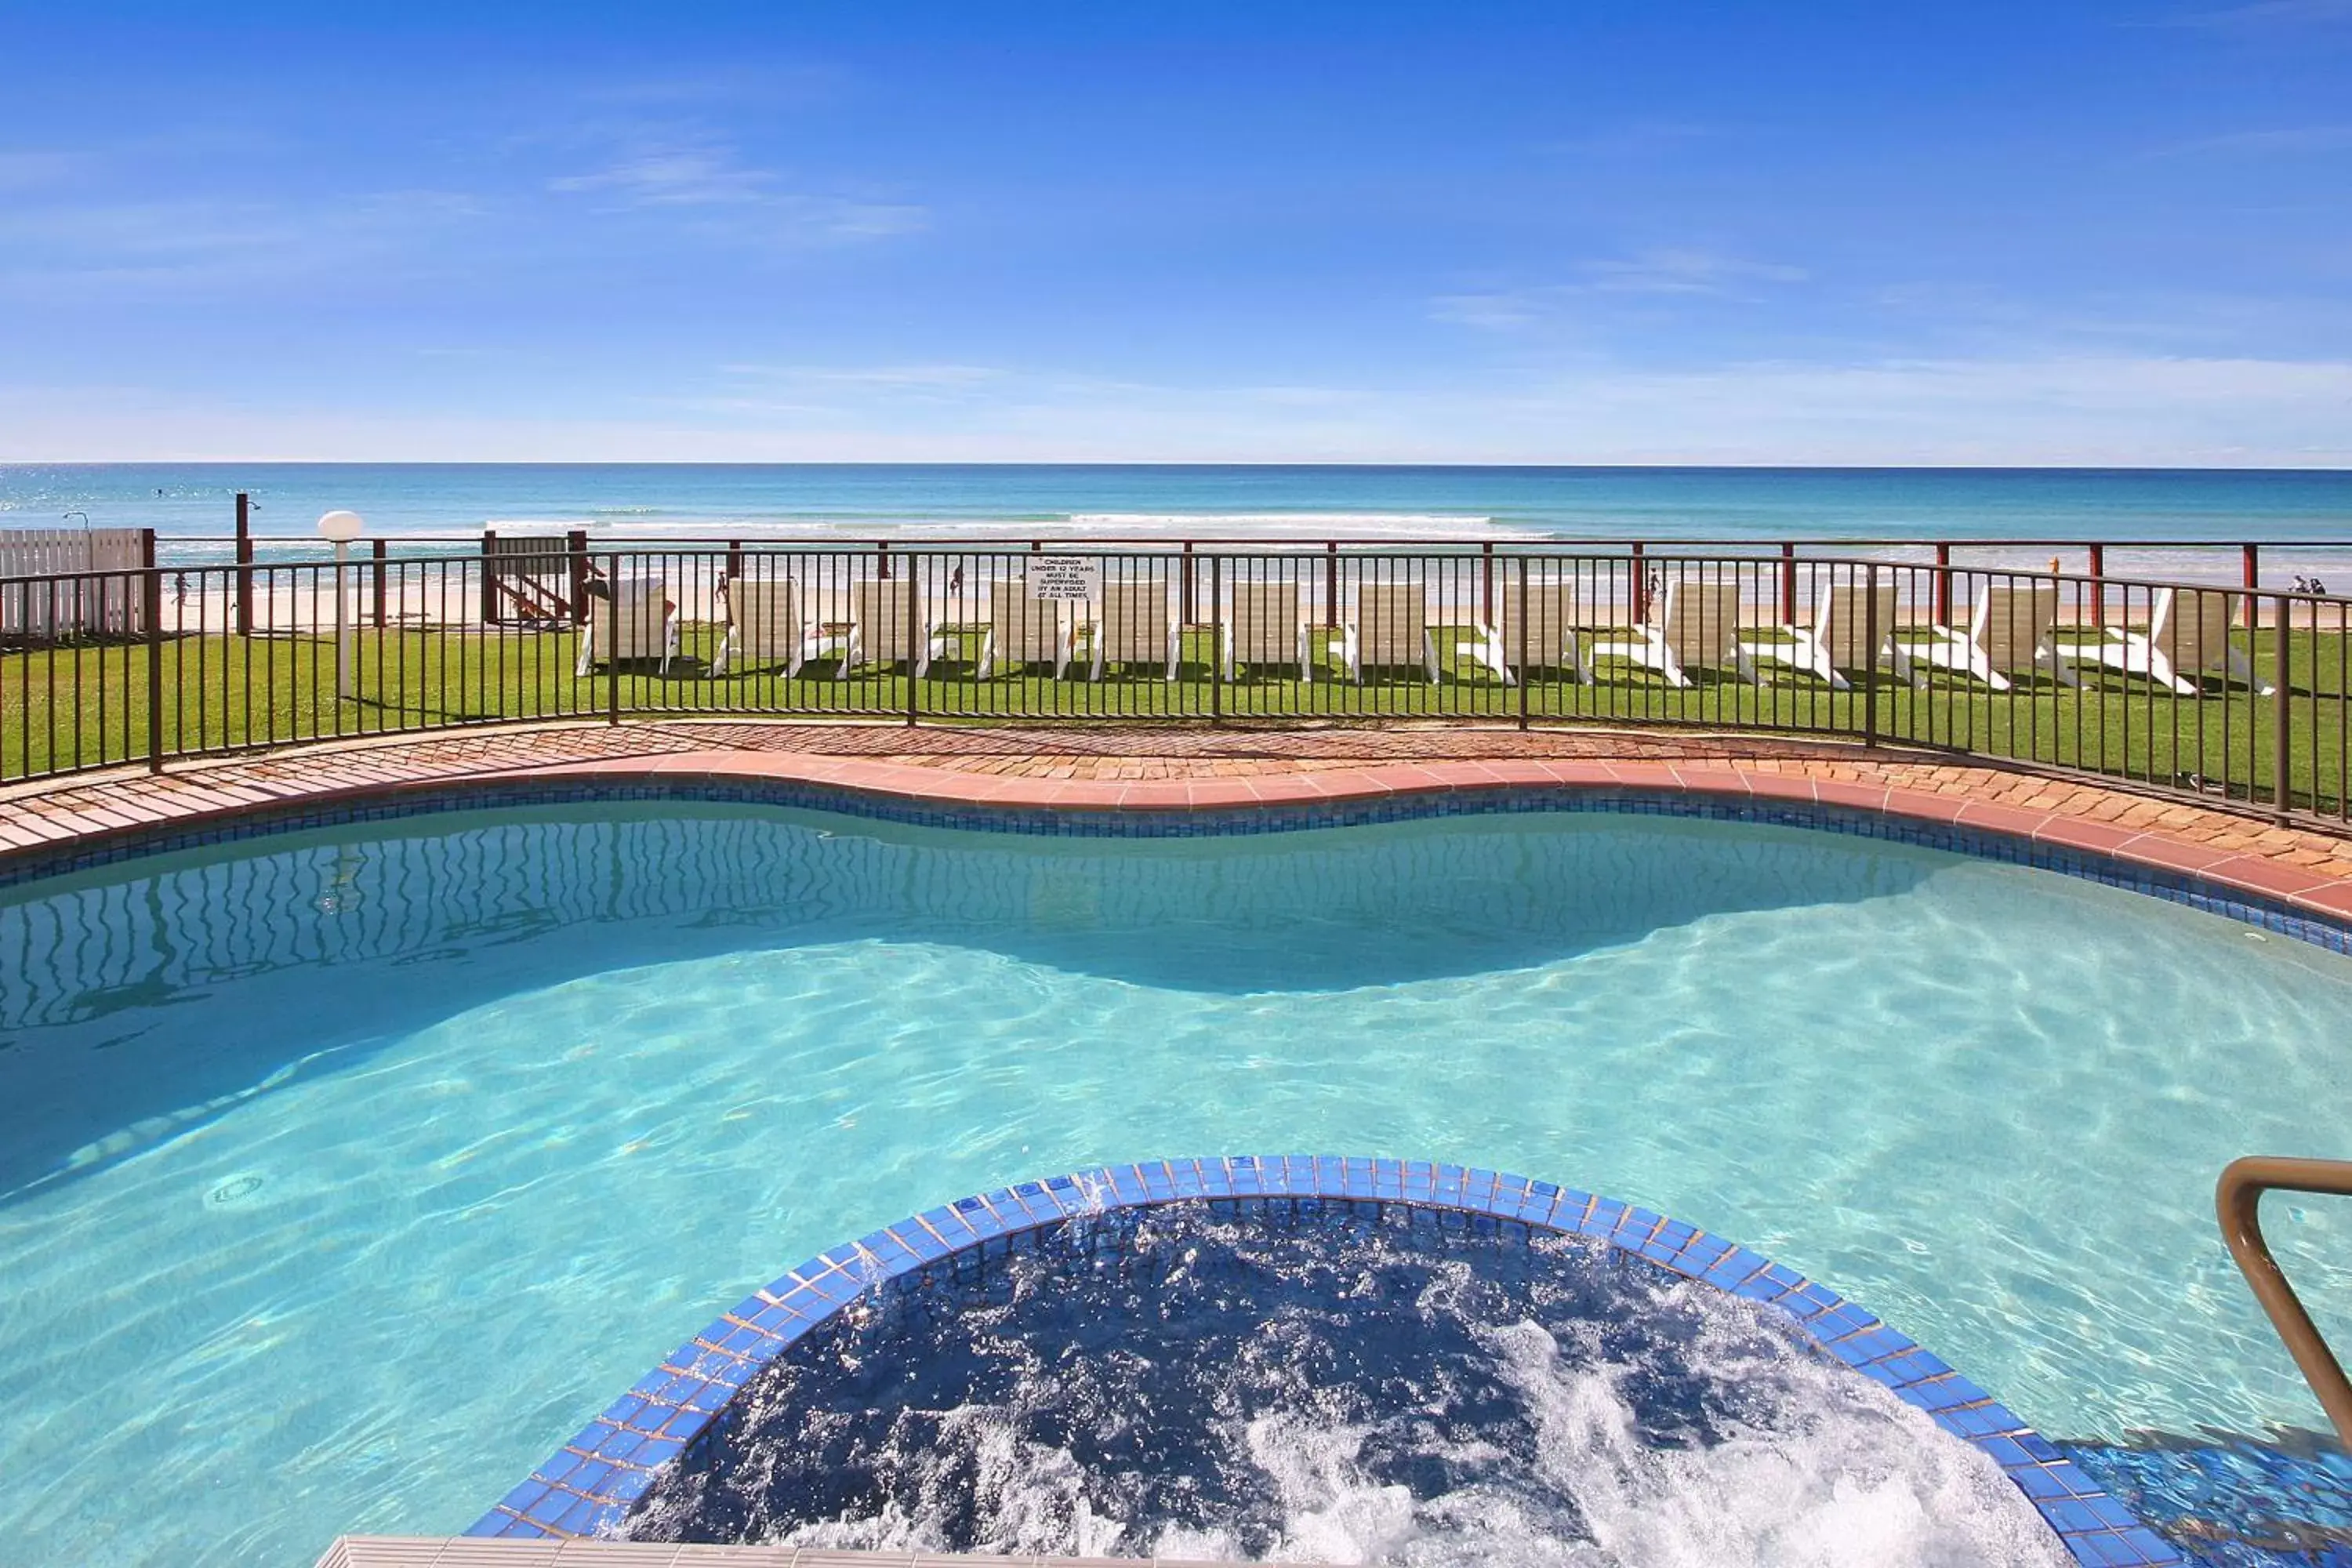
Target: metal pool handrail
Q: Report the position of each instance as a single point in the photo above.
(2239, 1199)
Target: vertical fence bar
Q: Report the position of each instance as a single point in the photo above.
(2249, 568)
(1943, 585)
(1872, 635)
(2282, 755)
(377, 550)
(1789, 584)
(151, 582)
(918, 643)
(244, 621)
(612, 641)
(1519, 630)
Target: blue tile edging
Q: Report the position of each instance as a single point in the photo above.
(590, 1483)
(389, 804)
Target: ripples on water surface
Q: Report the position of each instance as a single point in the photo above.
(393, 1158)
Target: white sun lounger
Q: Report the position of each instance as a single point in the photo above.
(1389, 630)
(2177, 646)
(1263, 623)
(1835, 641)
(1536, 628)
(765, 625)
(1133, 625)
(636, 622)
(1023, 630)
(2008, 632)
(885, 628)
(1697, 628)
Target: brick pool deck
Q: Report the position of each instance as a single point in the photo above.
(1111, 766)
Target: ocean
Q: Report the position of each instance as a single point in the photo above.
(2301, 517)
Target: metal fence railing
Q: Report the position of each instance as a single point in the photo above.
(2237, 698)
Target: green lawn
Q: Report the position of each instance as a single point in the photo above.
(83, 706)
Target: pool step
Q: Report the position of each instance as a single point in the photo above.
(474, 1552)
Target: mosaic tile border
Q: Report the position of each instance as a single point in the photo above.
(2262, 912)
(587, 1485)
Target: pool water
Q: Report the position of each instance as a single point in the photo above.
(344, 1176)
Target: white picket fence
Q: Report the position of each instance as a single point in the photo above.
(46, 610)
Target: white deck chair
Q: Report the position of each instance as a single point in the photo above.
(1547, 613)
(637, 622)
(2176, 647)
(1264, 624)
(1023, 630)
(1133, 625)
(1389, 630)
(1698, 628)
(1833, 642)
(765, 625)
(884, 628)
(2008, 632)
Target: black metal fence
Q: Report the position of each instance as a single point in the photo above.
(2225, 695)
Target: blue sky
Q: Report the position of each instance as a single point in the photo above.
(2076, 233)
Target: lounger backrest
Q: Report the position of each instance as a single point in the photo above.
(1701, 620)
(1026, 629)
(888, 628)
(1131, 621)
(1392, 623)
(1842, 624)
(1263, 620)
(765, 614)
(2193, 634)
(1543, 613)
(634, 622)
(2015, 623)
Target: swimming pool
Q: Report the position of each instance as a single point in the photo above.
(344, 1171)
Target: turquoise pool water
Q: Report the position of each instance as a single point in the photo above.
(342, 1176)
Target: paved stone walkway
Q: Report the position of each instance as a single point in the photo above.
(1102, 767)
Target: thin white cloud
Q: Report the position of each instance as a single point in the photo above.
(2272, 14)
(2289, 140)
(889, 375)
(712, 180)
(1664, 274)
(26, 171)
(1685, 272)
(1635, 138)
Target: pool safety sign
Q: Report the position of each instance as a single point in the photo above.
(1066, 576)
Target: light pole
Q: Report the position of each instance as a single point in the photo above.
(342, 528)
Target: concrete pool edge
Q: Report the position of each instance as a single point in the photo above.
(589, 1482)
(2249, 888)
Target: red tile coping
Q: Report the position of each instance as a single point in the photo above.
(1160, 769)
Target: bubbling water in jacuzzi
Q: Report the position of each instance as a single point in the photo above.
(1314, 1383)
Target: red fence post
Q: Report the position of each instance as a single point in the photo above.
(2099, 584)
(1943, 585)
(576, 545)
(489, 578)
(244, 622)
(2253, 579)
(151, 585)
(1788, 585)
